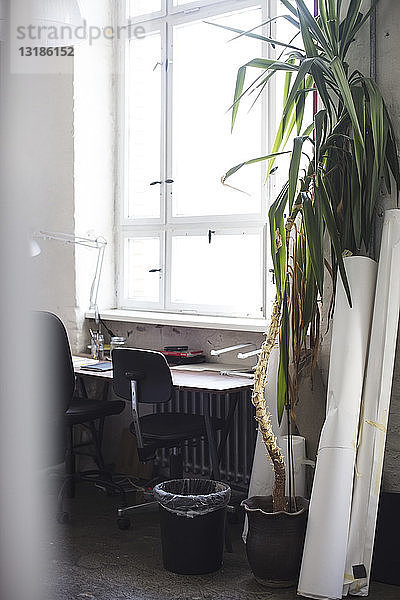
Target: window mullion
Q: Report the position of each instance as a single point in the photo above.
(167, 188)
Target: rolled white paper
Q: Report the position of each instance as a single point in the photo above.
(325, 546)
(375, 408)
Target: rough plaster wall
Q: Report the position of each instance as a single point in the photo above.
(50, 156)
(94, 120)
(155, 337)
(46, 151)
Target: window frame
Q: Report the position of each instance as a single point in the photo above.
(124, 238)
(164, 226)
(201, 230)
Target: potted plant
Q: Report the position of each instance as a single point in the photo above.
(328, 197)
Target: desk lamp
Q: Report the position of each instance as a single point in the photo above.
(240, 355)
(99, 243)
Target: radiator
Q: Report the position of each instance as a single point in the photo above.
(237, 458)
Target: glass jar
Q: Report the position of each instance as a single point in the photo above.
(97, 346)
(116, 342)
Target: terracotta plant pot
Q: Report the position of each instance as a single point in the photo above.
(275, 541)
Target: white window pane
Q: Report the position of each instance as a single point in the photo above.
(204, 74)
(143, 7)
(144, 127)
(223, 274)
(142, 254)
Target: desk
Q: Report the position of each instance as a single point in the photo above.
(204, 379)
(199, 384)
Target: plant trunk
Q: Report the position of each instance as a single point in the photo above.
(263, 416)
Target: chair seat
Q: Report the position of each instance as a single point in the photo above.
(175, 426)
(82, 410)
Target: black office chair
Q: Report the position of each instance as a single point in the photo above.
(56, 368)
(144, 377)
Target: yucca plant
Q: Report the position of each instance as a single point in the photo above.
(332, 194)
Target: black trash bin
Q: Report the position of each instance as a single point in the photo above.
(192, 517)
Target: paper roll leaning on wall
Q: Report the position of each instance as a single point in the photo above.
(375, 409)
(325, 546)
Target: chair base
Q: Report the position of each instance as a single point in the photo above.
(100, 479)
(123, 520)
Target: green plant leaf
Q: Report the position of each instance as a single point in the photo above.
(302, 71)
(256, 36)
(329, 219)
(320, 124)
(250, 162)
(282, 135)
(294, 166)
(278, 240)
(376, 118)
(259, 63)
(313, 228)
(391, 154)
(347, 25)
(289, 6)
(341, 80)
(240, 79)
(311, 25)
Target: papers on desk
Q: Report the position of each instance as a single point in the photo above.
(78, 361)
(98, 366)
(91, 364)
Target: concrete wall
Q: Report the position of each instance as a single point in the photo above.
(45, 179)
(148, 336)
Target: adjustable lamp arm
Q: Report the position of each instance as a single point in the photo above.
(98, 243)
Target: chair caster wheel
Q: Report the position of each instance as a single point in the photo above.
(123, 523)
(63, 517)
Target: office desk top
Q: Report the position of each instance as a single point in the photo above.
(200, 377)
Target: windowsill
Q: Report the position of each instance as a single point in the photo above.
(182, 320)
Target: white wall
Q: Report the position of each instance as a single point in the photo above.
(95, 157)
(45, 166)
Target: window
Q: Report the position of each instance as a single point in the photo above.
(188, 243)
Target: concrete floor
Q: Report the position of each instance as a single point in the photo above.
(91, 559)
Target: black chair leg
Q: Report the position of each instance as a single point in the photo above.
(70, 464)
(176, 465)
(97, 446)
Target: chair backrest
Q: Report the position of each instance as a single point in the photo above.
(55, 380)
(149, 369)
(55, 360)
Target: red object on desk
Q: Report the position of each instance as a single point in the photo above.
(182, 357)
